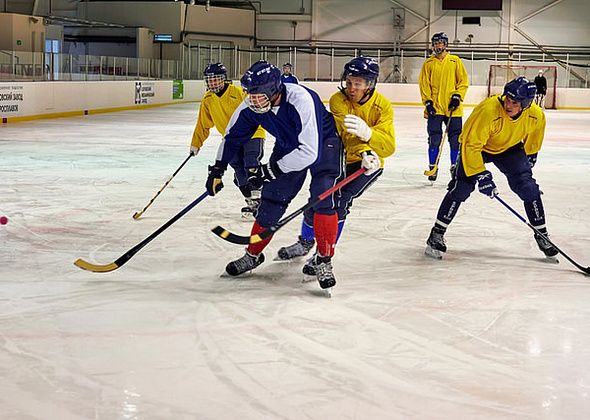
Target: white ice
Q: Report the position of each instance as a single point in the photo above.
(490, 332)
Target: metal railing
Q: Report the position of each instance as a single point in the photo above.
(321, 64)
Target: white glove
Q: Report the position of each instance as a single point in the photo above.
(355, 125)
(370, 162)
(194, 151)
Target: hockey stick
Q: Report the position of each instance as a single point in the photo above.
(580, 267)
(430, 172)
(138, 214)
(98, 268)
(245, 240)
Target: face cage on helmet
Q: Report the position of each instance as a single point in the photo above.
(258, 102)
(439, 50)
(219, 78)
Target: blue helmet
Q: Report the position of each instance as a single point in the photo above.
(214, 74)
(262, 78)
(214, 69)
(521, 90)
(439, 37)
(365, 67)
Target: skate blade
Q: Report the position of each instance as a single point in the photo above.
(225, 275)
(277, 258)
(433, 253)
(325, 293)
(552, 260)
(308, 279)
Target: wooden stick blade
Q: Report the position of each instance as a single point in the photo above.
(95, 268)
(230, 237)
(431, 172)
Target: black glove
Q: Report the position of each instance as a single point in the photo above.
(486, 184)
(455, 102)
(214, 183)
(263, 173)
(430, 108)
(532, 159)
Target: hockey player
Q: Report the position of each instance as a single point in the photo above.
(306, 140)
(506, 130)
(443, 84)
(288, 76)
(541, 83)
(218, 105)
(364, 119)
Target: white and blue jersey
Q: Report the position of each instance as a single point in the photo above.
(300, 123)
(306, 138)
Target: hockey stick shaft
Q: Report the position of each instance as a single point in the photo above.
(245, 240)
(538, 232)
(138, 214)
(430, 172)
(98, 268)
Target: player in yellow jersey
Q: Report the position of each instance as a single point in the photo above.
(506, 130)
(218, 105)
(443, 84)
(364, 120)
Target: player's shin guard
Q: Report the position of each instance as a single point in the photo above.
(255, 249)
(432, 155)
(535, 212)
(326, 232)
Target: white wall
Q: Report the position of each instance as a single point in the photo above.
(42, 98)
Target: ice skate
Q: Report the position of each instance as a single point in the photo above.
(452, 170)
(546, 248)
(246, 263)
(435, 244)
(309, 269)
(298, 249)
(324, 274)
(433, 177)
(249, 211)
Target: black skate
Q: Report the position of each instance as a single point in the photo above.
(546, 248)
(435, 244)
(323, 272)
(249, 211)
(432, 178)
(298, 249)
(452, 170)
(246, 263)
(309, 267)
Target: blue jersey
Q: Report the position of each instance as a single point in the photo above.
(300, 125)
(289, 78)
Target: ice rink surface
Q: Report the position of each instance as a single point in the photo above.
(490, 332)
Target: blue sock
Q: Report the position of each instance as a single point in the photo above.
(432, 155)
(454, 154)
(340, 227)
(307, 232)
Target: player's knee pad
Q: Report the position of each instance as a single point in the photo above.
(460, 189)
(270, 212)
(525, 187)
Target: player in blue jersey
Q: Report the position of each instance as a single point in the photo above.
(288, 76)
(306, 141)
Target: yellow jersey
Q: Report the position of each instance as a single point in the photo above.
(489, 129)
(216, 111)
(440, 79)
(377, 112)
